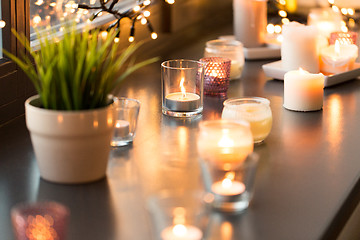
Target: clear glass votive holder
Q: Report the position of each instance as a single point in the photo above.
(177, 215)
(225, 143)
(255, 110)
(343, 37)
(227, 48)
(217, 75)
(46, 220)
(182, 87)
(127, 112)
(230, 191)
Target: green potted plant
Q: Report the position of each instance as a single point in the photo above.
(71, 119)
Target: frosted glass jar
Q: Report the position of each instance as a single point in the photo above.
(254, 110)
(227, 48)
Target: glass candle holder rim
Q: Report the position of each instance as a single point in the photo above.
(228, 102)
(198, 64)
(225, 44)
(28, 207)
(132, 100)
(224, 122)
(219, 60)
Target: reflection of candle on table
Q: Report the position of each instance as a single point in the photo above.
(303, 91)
(338, 58)
(181, 232)
(228, 187)
(121, 129)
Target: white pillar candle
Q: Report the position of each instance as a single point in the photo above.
(250, 20)
(338, 58)
(181, 232)
(179, 101)
(303, 91)
(326, 20)
(299, 47)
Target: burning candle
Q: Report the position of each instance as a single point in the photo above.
(121, 129)
(224, 143)
(217, 74)
(228, 187)
(343, 37)
(299, 47)
(303, 91)
(182, 87)
(182, 101)
(338, 58)
(181, 232)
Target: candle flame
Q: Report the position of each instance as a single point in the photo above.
(302, 71)
(227, 181)
(179, 230)
(183, 90)
(337, 48)
(225, 141)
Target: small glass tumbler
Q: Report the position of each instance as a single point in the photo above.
(227, 48)
(230, 191)
(255, 110)
(343, 38)
(182, 87)
(33, 221)
(217, 74)
(225, 143)
(177, 215)
(127, 112)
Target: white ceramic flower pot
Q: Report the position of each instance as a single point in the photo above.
(70, 146)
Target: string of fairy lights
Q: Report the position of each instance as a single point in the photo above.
(281, 5)
(45, 13)
(135, 14)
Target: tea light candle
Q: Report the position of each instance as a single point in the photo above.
(303, 91)
(338, 58)
(227, 187)
(343, 37)
(299, 47)
(179, 101)
(181, 232)
(217, 74)
(121, 129)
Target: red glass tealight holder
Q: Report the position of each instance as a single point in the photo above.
(37, 221)
(217, 74)
(343, 37)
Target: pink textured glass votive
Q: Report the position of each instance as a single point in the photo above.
(37, 221)
(217, 74)
(343, 37)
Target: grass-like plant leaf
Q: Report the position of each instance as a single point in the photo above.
(78, 71)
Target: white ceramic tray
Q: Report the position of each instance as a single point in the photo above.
(276, 71)
(266, 52)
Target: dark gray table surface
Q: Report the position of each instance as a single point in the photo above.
(306, 184)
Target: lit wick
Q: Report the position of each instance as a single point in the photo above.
(183, 90)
